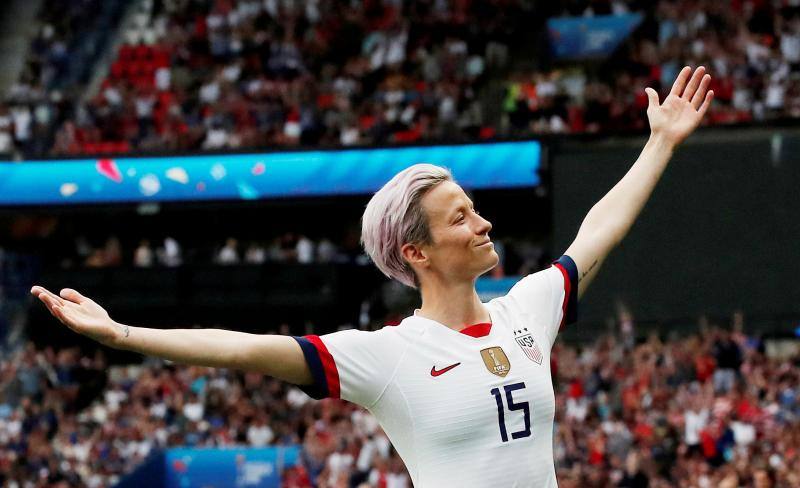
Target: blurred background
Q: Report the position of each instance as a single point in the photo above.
(205, 163)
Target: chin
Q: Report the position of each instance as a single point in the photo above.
(493, 261)
(481, 264)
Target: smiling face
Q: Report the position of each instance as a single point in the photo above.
(460, 249)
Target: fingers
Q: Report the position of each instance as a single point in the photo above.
(680, 81)
(50, 303)
(40, 292)
(73, 296)
(700, 95)
(55, 304)
(694, 83)
(706, 103)
(695, 92)
(652, 97)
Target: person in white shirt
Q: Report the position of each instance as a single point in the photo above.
(695, 420)
(259, 434)
(229, 253)
(304, 250)
(143, 255)
(462, 388)
(170, 253)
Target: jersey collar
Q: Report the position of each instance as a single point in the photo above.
(475, 330)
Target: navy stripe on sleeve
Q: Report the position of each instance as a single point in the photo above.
(318, 389)
(572, 301)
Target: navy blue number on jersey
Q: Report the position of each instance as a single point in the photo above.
(512, 406)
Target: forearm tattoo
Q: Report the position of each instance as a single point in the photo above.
(589, 270)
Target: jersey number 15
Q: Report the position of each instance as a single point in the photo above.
(501, 416)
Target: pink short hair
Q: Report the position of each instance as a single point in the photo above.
(394, 217)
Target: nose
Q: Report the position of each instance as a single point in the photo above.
(484, 226)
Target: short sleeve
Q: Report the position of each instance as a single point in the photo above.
(353, 365)
(550, 294)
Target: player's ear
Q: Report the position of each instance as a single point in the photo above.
(414, 255)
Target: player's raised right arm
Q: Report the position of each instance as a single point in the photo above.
(274, 355)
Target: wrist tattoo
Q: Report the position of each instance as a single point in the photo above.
(589, 270)
(126, 330)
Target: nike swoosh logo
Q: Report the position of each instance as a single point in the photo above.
(435, 372)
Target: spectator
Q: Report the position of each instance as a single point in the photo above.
(112, 252)
(143, 255)
(304, 250)
(229, 254)
(255, 254)
(633, 477)
(728, 359)
(326, 251)
(170, 254)
(259, 434)
(6, 139)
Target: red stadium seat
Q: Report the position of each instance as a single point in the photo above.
(161, 59)
(407, 136)
(117, 70)
(487, 132)
(575, 115)
(125, 52)
(149, 67)
(325, 100)
(141, 52)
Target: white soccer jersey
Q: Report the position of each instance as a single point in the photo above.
(470, 408)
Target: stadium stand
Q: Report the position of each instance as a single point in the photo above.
(70, 40)
(629, 413)
(244, 74)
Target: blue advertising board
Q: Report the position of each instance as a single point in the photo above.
(489, 288)
(589, 37)
(231, 467)
(258, 176)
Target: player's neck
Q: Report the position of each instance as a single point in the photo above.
(456, 307)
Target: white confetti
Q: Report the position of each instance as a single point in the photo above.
(218, 171)
(149, 185)
(178, 174)
(68, 189)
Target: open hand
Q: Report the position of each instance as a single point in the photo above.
(81, 314)
(684, 107)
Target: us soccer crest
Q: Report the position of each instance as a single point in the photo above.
(496, 360)
(528, 345)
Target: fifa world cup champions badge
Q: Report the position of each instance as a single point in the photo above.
(496, 361)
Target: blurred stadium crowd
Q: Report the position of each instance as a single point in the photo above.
(67, 243)
(712, 409)
(211, 75)
(517, 256)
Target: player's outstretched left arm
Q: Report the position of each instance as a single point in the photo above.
(609, 221)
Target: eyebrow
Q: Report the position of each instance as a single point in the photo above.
(460, 207)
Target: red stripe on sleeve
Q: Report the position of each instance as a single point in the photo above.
(328, 364)
(567, 286)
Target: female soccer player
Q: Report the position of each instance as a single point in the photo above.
(462, 388)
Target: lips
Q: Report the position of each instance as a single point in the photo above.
(483, 243)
